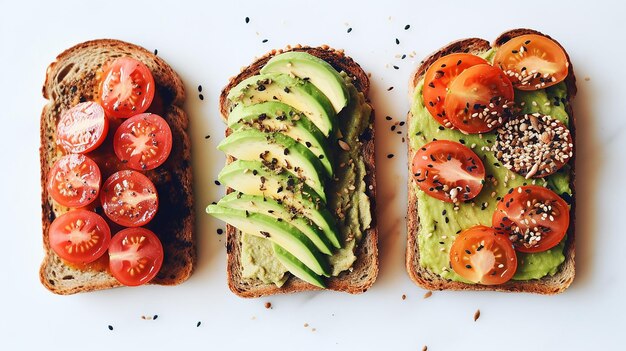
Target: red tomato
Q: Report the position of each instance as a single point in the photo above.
(135, 256)
(143, 141)
(481, 255)
(532, 62)
(438, 77)
(479, 99)
(129, 198)
(79, 236)
(127, 88)
(82, 128)
(535, 218)
(74, 180)
(448, 171)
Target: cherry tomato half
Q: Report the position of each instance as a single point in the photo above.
(448, 171)
(135, 256)
(532, 62)
(143, 141)
(481, 255)
(129, 198)
(438, 77)
(74, 180)
(82, 128)
(479, 99)
(79, 236)
(127, 88)
(535, 218)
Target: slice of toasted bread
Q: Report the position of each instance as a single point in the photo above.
(365, 269)
(70, 79)
(432, 281)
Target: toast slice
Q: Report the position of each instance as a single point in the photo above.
(365, 270)
(70, 79)
(432, 281)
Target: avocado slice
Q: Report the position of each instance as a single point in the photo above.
(298, 93)
(277, 150)
(274, 116)
(319, 72)
(270, 207)
(296, 267)
(281, 233)
(253, 178)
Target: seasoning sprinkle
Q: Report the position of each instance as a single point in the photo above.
(476, 315)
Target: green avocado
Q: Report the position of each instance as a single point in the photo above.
(274, 116)
(297, 93)
(275, 149)
(317, 71)
(296, 267)
(255, 203)
(253, 178)
(279, 232)
(439, 223)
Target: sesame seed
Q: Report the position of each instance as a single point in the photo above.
(407, 27)
(349, 30)
(247, 19)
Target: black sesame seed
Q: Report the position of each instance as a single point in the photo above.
(155, 316)
(156, 52)
(390, 156)
(207, 136)
(393, 128)
(217, 182)
(265, 40)
(247, 19)
(388, 118)
(402, 123)
(198, 324)
(110, 327)
(397, 41)
(349, 29)
(396, 67)
(468, 252)
(220, 231)
(201, 96)
(468, 266)
(390, 89)
(200, 88)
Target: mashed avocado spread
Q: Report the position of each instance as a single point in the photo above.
(440, 224)
(347, 199)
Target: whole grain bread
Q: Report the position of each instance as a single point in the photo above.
(365, 269)
(71, 79)
(432, 281)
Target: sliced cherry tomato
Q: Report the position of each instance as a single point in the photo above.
(143, 141)
(135, 256)
(481, 255)
(82, 128)
(479, 99)
(448, 171)
(79, 236)
(535, 218)
(129, 198)
(438, 77)
(532, 62)
(74, 180)
(127, 88)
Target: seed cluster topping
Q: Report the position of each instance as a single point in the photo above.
(533, 145)
(494, 114)
(530, 78)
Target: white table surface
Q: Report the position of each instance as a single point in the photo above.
(206, 44)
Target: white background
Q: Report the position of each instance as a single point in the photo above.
(206, 44)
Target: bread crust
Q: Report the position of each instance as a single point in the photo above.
(70, 79)
(365, 269)
(431, 281)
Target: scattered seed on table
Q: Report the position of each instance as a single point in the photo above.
(390, 156)
(247, 19)
(476, 315)
(397, 41)
(217, 182)
(155, 316)
(198, 324)
(220, 231)
(201, 96)
(407, 27)
(268, 305)
(200, 88)
(156, 52)
(388, 118)
(403, 297)
(428, 294)
(390, 89)
(395, 67)
(207, 136)
(349, 29)
(110, 327)
(265, 40)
